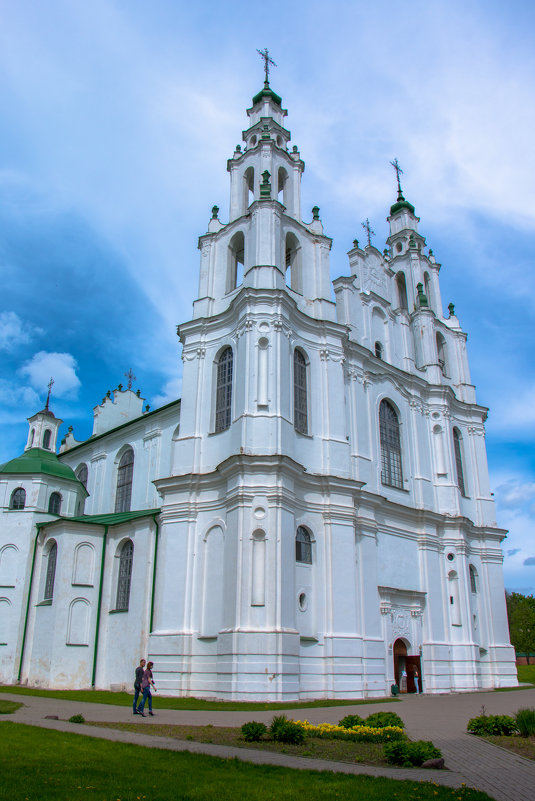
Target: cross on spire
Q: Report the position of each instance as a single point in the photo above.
(267, 61)
(50, 385)
(131, 377)
(399, 171)
(369, 231)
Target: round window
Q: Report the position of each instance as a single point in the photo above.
(451, 557)
(399, 247)
(253, 141)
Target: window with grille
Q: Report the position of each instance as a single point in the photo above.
(54, 504)
(125, 575)
(391, 469)
(82, 475)
(300, 393)
(303, 546)
(51, 572)
(223, 401)
(18, 499)
(458, 461)
(125, 474)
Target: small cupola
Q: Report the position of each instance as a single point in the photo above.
(402, 217)
(43, 428)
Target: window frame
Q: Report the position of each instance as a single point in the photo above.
(125, 481)
(55, 501)
(18, 507)
(50, 577)
(390, 446)
(124, 576)
(303, 546)
(300, 391)
(458, 458)
(224, 379)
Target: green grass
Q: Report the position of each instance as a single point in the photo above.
(524, 746)
(163, 702)
(46, 765)
(7, 707)
(526, 673)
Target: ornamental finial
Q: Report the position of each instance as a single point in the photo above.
(399, 171)
(50, 385)
(267, 61)
(369, 231)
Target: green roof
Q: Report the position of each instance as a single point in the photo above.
(267, 92)
(37, 460)
(112, 519)
(401, 204)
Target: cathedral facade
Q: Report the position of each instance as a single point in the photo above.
(313, 517)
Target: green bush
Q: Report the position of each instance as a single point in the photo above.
(253, 731)
(381, 719)
(351, 720)
(283, 730)
(77, 719)
(408, 755)
(525, 721)
(492, 724)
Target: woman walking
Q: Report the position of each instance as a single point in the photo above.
(146, 684)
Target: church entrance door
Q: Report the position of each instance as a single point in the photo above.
(413, 664)
(400, 665)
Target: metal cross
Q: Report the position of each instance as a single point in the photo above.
(369, 231)
(399, 171)
(267, 61)
(50, 385)
(131, 377)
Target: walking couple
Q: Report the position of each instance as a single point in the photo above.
(142, 685)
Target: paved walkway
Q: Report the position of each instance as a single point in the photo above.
(442, 719)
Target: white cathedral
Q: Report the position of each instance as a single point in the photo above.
(312, 519)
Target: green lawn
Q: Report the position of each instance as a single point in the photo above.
(125, 699)
(46, 765)
(526, 673)
(7, 707)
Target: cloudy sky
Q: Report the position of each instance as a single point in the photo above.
(116, 120)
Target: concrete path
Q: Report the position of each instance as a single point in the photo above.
(442, 719)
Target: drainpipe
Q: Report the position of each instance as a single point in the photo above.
(154, 572)
(97, 631)
(28, 606)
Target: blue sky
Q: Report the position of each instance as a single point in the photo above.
(115, 125)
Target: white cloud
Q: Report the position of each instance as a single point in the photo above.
(59, 366)
(514, 494)
(170, 392)
(14, 331)
(23, 398)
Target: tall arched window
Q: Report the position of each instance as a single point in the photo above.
(54, 504)
(82, 475)
(402, 291)
(473, 579)
(50, 572)
(458, 460)
(300, 393)
(18, 499)
(46, 438)
(236, 252)
(441, 352)
(223, 397)
(427, 288)
(32, 437)
(293, 263)
(378, 350)
(126, 559)
(391, 470)
(248, 187)
(303, 546)
(125, 474)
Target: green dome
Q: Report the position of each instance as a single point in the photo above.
(401, 204)
(267, 92)
(36, 460)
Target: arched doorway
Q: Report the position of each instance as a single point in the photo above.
(407, 670)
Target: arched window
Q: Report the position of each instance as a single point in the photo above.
(50, 572)
(303, 546)
(248, 187)
(441, 352)
(125, 474)
(54, 504)
(391, 470)
(46, 438)
(124, 579)
(473, 579)
(32, 437)
(235, 261)
(282, 176)
(82, 475)
(223, 397)
(378, 350)
(427, 288)
(402, 291)
(458, 460)
(293, 263)
(300, 393)
(18, 499)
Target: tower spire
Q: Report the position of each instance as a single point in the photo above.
(50, 385)
(267, 61)
(399, 171)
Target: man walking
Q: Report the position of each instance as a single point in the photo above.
(137, 683)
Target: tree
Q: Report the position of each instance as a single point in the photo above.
(521, 613)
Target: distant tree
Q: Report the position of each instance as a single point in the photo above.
(521, 614)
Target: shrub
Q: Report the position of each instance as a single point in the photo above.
(492, 724)
(381, 719)
(408, 755)
(253, 731)
(77, 719)
(283, 730)
(351, 720)
(357, 734)
(525, 721)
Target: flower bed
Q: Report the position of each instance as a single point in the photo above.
(357, 734)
